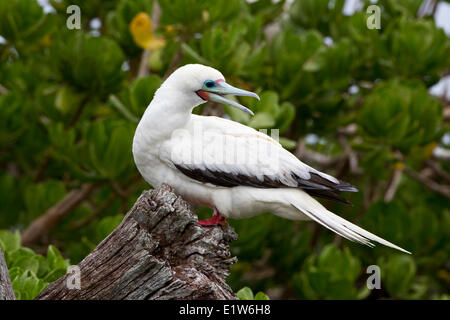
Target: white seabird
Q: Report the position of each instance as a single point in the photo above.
(234, 169)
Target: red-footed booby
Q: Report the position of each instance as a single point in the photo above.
(234, 169)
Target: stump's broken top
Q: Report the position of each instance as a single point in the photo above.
(159, 251)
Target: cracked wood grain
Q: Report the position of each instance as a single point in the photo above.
(159, 251)
(6, 290)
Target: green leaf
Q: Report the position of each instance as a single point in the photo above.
(30, 273)
(313, 64)
(14, 109)
(398, 273)
(40, 197)
(285, 116)
(416, 48)
(142, 91)
(54, 275)
(27, 286)
(92, 64)
(108, 143)
(24, 259)
(262, 120)
(330, 275)
(106, 225)
(55, 259)
(287, 143)
(67, 100)
(245, 294)
(24, 21)
(261, 296)
(187, 50)
(401, 114)
(9, 242)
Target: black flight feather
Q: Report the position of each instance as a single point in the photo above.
(316, 185)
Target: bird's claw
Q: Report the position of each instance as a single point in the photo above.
(217, 219)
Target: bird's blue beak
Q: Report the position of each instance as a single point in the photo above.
(220, 88)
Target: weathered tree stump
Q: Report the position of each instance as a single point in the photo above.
(6, 290)
(159, 251)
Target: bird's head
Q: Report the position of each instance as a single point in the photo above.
(200, 83)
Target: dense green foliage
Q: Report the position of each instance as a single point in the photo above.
(30, 272)
(70, 101)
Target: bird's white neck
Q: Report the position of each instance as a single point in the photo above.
(169, 110)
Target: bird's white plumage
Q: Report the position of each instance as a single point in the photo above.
(223, 145)
(169, 137)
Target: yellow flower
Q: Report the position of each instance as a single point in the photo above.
(169, 28)
(141, 30)
(46, 41)
(429, 148)
(399, 165)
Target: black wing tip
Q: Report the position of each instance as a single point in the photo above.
(345, 186)
(319, 182)
(347, 189)
(328, 194)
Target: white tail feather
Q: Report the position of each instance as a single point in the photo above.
(345, 228)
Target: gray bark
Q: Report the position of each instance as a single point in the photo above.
(159, 251)
(6, 290)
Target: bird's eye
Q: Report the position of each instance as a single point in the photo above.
(210, 84)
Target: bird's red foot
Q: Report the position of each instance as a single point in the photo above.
(216, 219)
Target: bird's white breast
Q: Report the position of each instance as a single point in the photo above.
(152, 157)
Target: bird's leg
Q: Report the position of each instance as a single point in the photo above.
(216, 219)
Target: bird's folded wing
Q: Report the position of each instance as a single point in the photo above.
(245, 158)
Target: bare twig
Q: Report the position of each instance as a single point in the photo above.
(115, 102)
(446, 113)
(442, 154)
(3, 90)
(109, 201)
(433, 10)
(43, 166)
(312, 156)
(98, 212)
(351, 155)
(438, 170)
(42, 225)
(393, 184)
(441, 189)
(118, 189)
(349, 130)
(156, 14)
(175, 62)
(143, 70)
(77, 113)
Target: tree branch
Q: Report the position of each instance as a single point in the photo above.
(441, 189)
(143, 70)
(105, 205)
(394, 182)
(311, 156)
(351, 155)
(175, 61)
(42, 225)
(3, 90)
(438, 170)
